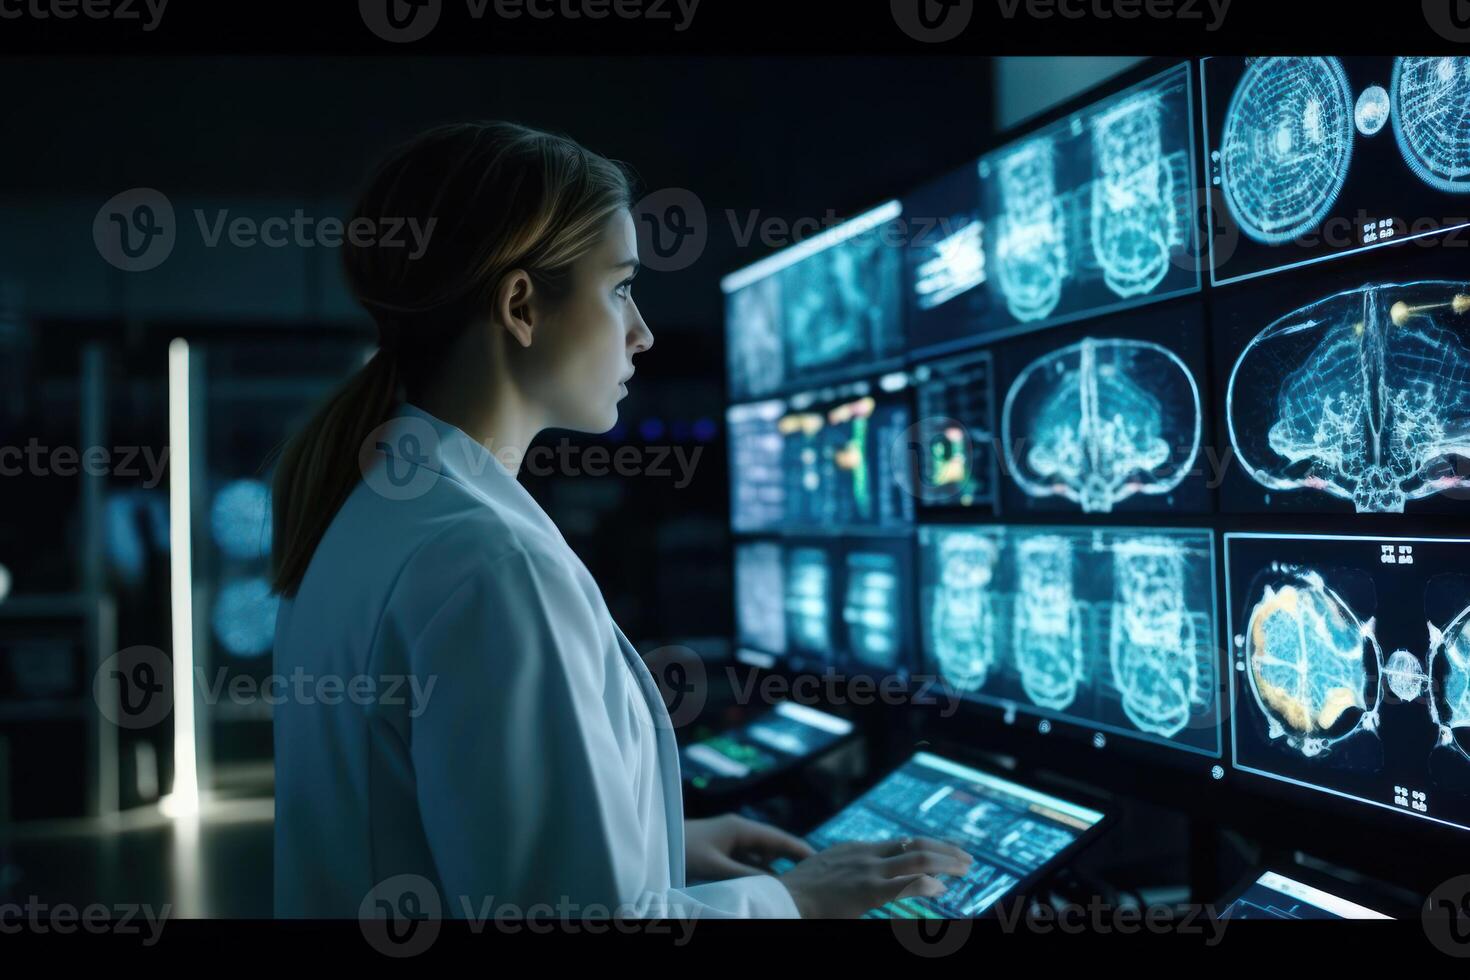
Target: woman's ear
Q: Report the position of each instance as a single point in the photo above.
(513, 306)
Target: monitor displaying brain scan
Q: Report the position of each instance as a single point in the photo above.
(1351, 667)
(1106, 417)
(1089, 214)
(1312, 158)
(826, 305)
(1349, 394)
(1109, 629)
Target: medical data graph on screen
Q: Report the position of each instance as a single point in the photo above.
(1111, 629)
(1350, 664)
(824, 461)
(1313, 158)
(1090, 214)
(830, 303)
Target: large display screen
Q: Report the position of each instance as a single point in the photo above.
(1111, 629)
(1090, 214)
(831, 303)
(1349, 390)
(1313, 158)
(1351, 666)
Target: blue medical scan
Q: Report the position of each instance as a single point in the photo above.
(818, 309)
(955, 435)
(1349, 660)
(1013, 832)
(1349, 399)
(1089, 214)
(1109, 629)
(947, 260)
(1097, 422)
(1275, 896)
(1302, 167)
(824, 461)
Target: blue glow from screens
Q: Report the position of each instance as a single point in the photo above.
(871, 609)
(760, 597)
(808, 602)
(1372, 110)
(1364, 395)
(1009, 830)
(1287, 145)
(241, 519)
(651, 429)
(244, 617)
(1100, 421)
(1108, 628)
(956, 265)
(705, 430)
(1430, 96)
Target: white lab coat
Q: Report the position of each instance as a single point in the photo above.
(540, 769)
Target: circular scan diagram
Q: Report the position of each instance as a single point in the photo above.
(1431, 118)
(1314, 669)
(1287, 143)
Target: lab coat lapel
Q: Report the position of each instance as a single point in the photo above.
(668, 755)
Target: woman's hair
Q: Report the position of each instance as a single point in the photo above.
(487, 198)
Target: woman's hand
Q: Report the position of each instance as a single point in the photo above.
(720, 847)
(846, 880)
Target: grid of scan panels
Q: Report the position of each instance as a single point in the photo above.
(1137, 507)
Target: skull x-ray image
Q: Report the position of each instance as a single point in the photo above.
(1350, 659)
(1363, 396)
(1101, 420)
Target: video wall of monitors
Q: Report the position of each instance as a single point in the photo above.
(1351, 664)
(1202, 525)
(1312, 158)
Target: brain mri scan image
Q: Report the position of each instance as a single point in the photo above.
(1364, 396)
(1431, 118)
(1108, 629)
(1319, 700)
(1308, 660)
(1287, 144)
(1100, 421)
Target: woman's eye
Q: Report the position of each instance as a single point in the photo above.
(624, 289)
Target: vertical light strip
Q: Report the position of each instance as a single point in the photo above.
(184, 800)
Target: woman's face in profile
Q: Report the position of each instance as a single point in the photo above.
(591, 338)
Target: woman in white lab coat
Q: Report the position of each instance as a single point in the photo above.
(463, 729)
